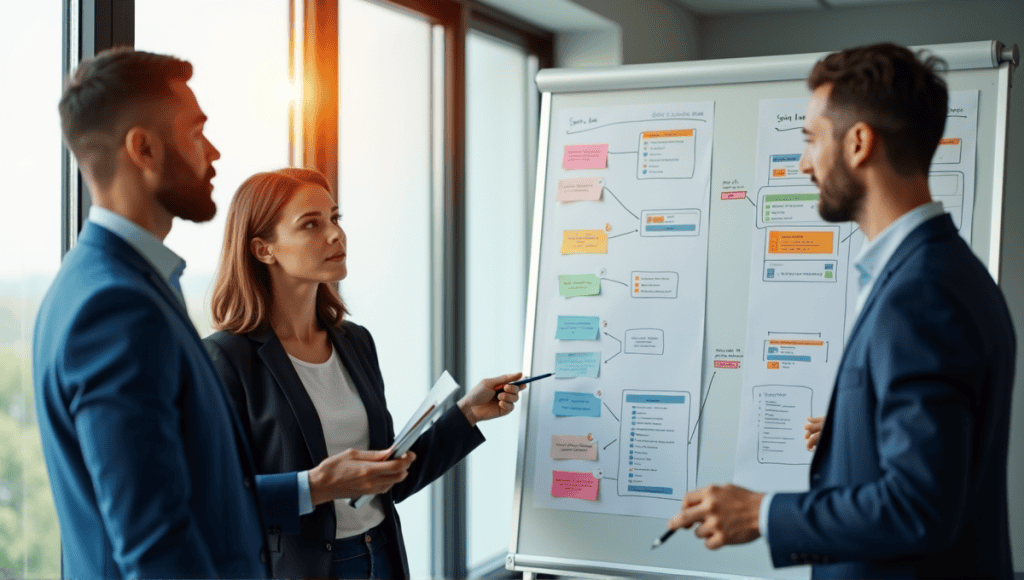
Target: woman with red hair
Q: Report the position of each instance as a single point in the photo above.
(307, 385)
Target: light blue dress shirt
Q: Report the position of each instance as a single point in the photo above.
(170, 267)
(873, 257)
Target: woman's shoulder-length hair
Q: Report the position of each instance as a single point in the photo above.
(242, 294)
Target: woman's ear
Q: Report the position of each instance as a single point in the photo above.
(263, 251)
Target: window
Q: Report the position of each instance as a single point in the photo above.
(499, 146)
(241, 80)
(30, 221)
(385, 201)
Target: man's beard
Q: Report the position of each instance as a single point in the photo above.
(183, 193)
(841, 195)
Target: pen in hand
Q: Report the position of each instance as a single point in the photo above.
(530, 379)
(664, 538)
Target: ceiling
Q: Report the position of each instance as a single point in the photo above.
(719, 7)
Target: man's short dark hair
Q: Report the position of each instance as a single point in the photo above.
(107, 95)
(899, 95)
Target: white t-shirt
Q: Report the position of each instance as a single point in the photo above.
(345, 425)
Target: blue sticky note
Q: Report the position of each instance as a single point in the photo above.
(577, 328)
(576, 405)
(577, 364)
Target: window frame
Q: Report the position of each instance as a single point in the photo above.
(91, 26)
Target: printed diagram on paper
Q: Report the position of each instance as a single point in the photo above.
(620, 316)
(803, 293)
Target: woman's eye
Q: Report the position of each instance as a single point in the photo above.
(310, 225)
(335, 219)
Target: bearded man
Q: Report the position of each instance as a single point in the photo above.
(909, 476)
(150, 470)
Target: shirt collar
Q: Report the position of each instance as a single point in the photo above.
(168, 264)
(876, 253)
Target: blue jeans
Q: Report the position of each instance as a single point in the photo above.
(362, 556)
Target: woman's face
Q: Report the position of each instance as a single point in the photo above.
(308, 243)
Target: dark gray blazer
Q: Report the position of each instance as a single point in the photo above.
(286, 436)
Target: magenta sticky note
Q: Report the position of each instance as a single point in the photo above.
(585, 156)
(574, 484)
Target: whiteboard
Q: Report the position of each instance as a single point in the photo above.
(581, 542)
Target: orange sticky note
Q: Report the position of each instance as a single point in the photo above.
(584, 242)
(781, 242)
(575, 485)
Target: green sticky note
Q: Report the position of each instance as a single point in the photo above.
(579, 285)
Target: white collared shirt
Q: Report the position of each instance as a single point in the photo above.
(168, 264)
(873, 258)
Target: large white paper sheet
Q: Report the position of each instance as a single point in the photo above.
(625, 229)
(803, 292)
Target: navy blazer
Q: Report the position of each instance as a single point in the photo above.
(284, 428)
(149, 467)
(909, 477)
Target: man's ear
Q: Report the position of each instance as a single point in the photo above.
(263, 251)
(145, 151)
(860, 144)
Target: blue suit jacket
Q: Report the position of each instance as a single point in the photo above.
(909, 478)
(150, 471)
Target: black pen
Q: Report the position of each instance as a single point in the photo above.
(664, 538)
(530, 379)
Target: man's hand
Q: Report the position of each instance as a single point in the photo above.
(812, 431)
(491, 398)
(727, 514)
(354, 473)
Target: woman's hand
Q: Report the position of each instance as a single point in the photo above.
(812, 431)
(354, 473)
(490, 398)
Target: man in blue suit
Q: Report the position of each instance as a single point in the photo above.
(151, 474)
(909, 476)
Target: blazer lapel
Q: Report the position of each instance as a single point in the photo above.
(276, 360)
(941, 225)
(372, 401)
(117, 248)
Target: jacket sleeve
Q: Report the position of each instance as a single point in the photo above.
(926, 369)
(125, 379)
(278, 493)
(438, 449)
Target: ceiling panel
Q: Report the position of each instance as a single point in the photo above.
(749, 6)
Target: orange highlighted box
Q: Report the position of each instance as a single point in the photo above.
(655, 219)
(797, 342)
(778, 172)
(675, 133)
(773, 365)
(787, 242)
(950, 141)
(584, 242)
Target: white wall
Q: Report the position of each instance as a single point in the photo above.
(916, 24)
(652, 30)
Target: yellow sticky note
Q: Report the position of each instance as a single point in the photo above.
(584, 242)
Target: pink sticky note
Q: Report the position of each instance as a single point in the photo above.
(580, 189)
(585, 156)
(574, 485)
(727, 364)
(734, 195)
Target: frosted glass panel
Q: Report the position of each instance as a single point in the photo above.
(385, 203)
(496, 226)
(30, 226)
(239, 52)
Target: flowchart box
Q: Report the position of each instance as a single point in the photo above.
(949, 151)
(782, 411)
(800, 271)
(669, 222)
(644, 341)
(802, 243)
(654, 284)
(785, 168)
(790, 205)
(667, 154)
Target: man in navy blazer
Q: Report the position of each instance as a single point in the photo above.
(909, 476)
(150, 471)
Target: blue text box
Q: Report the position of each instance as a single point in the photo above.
(649, 489)
(576, 405)
(664, 399)
(671, 228)
(578, 328)
(577, 364)
(789, 357)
